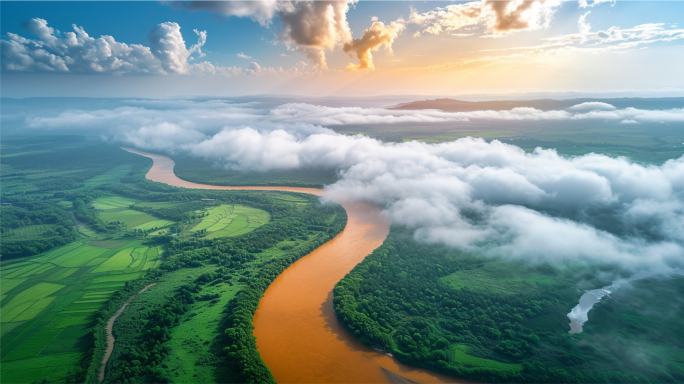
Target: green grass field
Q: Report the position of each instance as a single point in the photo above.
(461, 357)
(131, 218)
(49, 301)
(112, 176)
(231, 220)
(158, 204)
(497, 277)
(112, 202)
(28, 232)
(190, 359)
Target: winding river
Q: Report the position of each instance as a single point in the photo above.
(298, 335)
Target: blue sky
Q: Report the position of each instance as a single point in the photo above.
(475, 57)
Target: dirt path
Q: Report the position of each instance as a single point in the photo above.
(110, 335)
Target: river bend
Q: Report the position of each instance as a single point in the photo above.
(297, 332)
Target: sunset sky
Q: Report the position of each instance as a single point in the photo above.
(155, 49)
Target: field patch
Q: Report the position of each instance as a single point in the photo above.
(61, 273)
(120, 261)
(111, 176)
(231, 220)
(109, 244)
(190, 359)
(57, 252)
(498, 277)
(78, 257)
(38, 368)
(6, 285)
(461, 357)
(112, 202)
(117, 278)
(29, 232)
(129, 217)
(159, 204)
(36, 295)
(154, 225)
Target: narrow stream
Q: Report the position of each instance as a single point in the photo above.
(580, 313)
(298, 335)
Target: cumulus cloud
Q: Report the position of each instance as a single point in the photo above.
(507, 16)
(486, 197)
(243, 56)
(77, 52)
(308, 27)
(168, 46)
(497, 17)
(373, 38)
(312, 27)
(73, 52)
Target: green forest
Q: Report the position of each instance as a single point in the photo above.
(83, 231)
(500, 321)
(207, 172)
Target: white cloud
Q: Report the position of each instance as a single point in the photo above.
(497, 17)
(243, 56)
(308, 27)
(211, 116)
(613, 39)
(261, 11)
(592, 106)
(168, 46)
(490, 198)
(312, 27)
(373, 38)
(586, 4)
(78, 52)
(73, 52)
(582, 24)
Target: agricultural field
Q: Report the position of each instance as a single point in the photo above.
(231, 220)
(158, 204)
(291, 199)
(112, 202)
(29, 232)
(190, 359)
(133, 219)
(49, 302)
(111, 176)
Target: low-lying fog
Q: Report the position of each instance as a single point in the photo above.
(486, 197)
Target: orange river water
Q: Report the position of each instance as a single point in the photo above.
(298, 335)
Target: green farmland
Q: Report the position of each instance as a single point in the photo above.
(111, 176)
(84, 231)
(50, 301)
(231, 220)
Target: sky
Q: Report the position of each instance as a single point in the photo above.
(486, 197)
(366, 48)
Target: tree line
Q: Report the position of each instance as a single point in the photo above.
(396, 300)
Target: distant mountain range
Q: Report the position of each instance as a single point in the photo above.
(451, 105)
